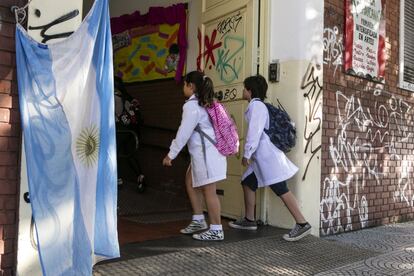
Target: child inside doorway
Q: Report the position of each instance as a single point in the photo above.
(266, 164)
(207, 166)
(128, 131)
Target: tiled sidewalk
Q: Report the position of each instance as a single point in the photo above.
(387, 250)
(395, 243)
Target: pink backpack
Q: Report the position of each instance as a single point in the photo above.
(227, 139)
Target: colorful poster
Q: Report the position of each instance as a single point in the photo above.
(365, 38)
(146, 53)
(150, 46)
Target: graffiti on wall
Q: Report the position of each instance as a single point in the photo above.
(366, 138)
(45, 28)
(313, 120)
(332, 48)
(230, 60)
(229, 24)
(221, 53)
(226, 94)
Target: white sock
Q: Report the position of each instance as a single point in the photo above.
(198, 217)
(216, 227)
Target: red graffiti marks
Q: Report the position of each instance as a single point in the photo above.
(210, 45)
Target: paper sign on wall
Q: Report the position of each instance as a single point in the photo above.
(365, 38)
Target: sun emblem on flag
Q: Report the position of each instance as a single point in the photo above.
(87, 146)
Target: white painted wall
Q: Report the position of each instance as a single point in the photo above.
(120, 7)
(295, 39)
(296, 30)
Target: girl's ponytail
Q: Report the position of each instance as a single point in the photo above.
(206, 93)
(204, 88)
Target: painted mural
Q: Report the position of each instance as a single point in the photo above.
(146, 53)
(150, 46)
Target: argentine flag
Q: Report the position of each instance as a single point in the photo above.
(67, 110)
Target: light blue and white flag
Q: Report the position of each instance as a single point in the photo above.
(67, 110)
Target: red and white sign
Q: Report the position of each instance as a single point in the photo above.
(365, 38)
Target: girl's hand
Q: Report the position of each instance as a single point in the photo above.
(245, 162)
(167, 161)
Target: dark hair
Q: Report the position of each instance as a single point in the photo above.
(204, 89)
(174, 49)
(257, 85)
(119, 84)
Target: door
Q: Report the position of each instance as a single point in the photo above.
(40, 14)
(228, 52)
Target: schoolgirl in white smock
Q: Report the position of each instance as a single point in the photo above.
(205, 169)
(269, 164)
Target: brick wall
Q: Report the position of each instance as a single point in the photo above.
(367, 142)
(9, 141)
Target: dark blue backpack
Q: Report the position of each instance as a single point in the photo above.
(282, 130)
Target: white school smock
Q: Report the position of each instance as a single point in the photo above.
(204, 172)
(269, 164)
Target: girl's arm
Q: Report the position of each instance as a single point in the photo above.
(189, 122)
(255, 129)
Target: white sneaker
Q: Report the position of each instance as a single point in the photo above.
(195, 226)
(210, 235)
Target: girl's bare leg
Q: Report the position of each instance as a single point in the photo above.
(213, 203)
(195, 195)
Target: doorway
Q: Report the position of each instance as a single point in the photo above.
(223, 44)
(162, 207)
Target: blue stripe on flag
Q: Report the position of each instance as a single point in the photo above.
(106, 235)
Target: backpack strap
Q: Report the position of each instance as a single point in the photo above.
(203, 134)
(203, 144)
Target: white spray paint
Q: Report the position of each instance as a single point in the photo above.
(332, 48)
(363, 135)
